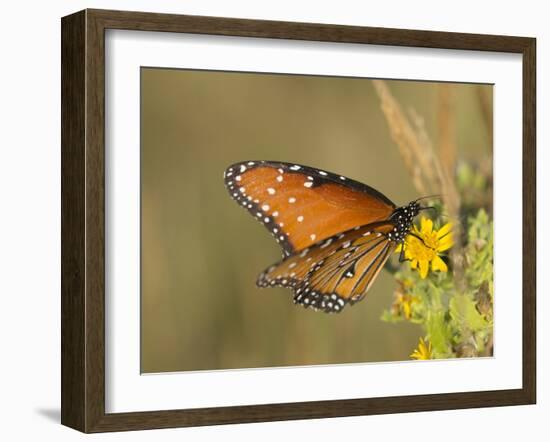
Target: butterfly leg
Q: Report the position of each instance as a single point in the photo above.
(402, 253)
(419, 238)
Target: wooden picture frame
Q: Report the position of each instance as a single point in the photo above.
(83, 220)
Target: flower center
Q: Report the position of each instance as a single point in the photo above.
(423, 251)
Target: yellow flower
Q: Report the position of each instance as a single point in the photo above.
(403, 301)
(423, 351)
(422, 253)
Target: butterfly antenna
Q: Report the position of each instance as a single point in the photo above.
(427, 208)
(428, 197)
(425, 198)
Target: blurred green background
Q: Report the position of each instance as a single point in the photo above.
(201, 252)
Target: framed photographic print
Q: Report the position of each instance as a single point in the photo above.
(270, 220)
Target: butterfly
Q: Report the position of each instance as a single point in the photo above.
(336, 233)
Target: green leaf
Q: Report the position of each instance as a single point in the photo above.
(464, 313)
(438, 333)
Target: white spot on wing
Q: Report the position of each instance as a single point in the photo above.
(313, 236)
(308, 184)
(300, 218)
(243, 168)
(326, 243)
(292, 200)
(271, 190)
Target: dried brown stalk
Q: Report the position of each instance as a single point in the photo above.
(425, 167)
(405, 138)
(443, 182)
(446, 127)
(486, 112)
(430, 173)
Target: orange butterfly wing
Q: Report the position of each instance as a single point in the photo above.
(336, 271)
(300, 205)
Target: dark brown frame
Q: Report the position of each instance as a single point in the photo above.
(83, 216)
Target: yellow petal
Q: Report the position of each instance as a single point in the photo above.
(445, 243)
(439, 264)
(423, 268)
(423, 351)
(414, 263)
(399, 248)
(444, 230)
(426, 225)
(407, 310)
(415, 242)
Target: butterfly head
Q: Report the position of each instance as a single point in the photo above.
(413, 209)
(403, 218)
